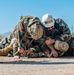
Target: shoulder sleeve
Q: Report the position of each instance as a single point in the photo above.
(66, 33)
(65, 27)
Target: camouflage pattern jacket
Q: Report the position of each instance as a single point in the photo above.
(20, 31)
(61, 31)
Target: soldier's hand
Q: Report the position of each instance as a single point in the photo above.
(49, 55)
(55, 53)
(16, 57)
(20, 50)
(49, 41)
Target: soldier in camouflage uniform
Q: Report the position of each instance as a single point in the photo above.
(56, 30)
(35, 36)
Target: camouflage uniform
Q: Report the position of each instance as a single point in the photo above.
(24, 39)
(60, 31)
(39, 48)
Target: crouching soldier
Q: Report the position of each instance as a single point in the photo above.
(36, 45)
(56, 29)
(23, 39)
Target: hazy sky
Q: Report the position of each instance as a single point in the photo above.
(11, 10)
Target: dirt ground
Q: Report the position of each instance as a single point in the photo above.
(37, 66)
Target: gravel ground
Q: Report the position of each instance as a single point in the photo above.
(37, 66)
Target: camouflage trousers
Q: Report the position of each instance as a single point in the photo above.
(38, 52)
